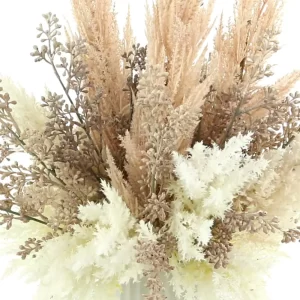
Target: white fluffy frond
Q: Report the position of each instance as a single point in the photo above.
(90, 212)
(212, 177)
(27, 112)
(189, 227)
(145, 231)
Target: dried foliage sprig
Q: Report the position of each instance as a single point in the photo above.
(291, 235)
(154, 256)
(220, 245)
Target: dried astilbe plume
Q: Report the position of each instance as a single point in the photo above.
(165, 160)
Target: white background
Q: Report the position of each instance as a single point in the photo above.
(18, 20)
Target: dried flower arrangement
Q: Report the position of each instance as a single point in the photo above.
(163, 159)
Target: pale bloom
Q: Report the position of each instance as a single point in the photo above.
(27, 112)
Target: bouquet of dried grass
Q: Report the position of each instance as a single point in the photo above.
(166, 159)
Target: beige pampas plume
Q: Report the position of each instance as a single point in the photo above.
(98, 25)
(128, 35)
(176, 32)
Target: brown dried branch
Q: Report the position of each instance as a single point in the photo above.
(32, 245)
(76, 82)
(154, 256)
(217, 250)
(156, 209)
(11, 131)
(279, 127)
(135, 61)
(292, 235)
